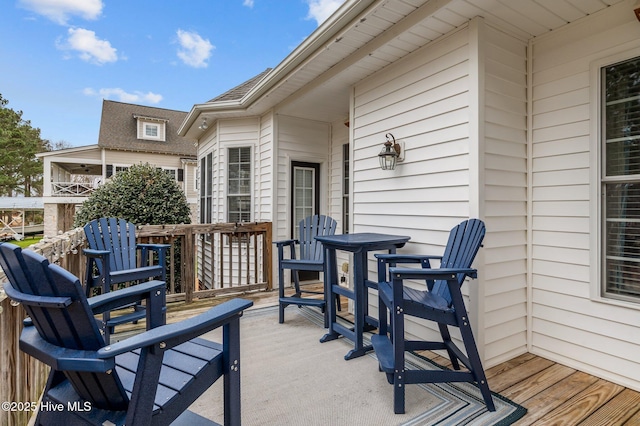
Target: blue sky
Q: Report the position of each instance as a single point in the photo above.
(60, 58)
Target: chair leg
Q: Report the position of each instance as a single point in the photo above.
(399, 363)
(281, 306)
(231, 380)
(446, 339)
(476, 365)
(296, 282)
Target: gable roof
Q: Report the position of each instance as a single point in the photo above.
(241, 90)
(118, 129)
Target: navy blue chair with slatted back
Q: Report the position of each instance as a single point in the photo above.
(440, 301)
(113, 254)
(309, 257)
(149, 379)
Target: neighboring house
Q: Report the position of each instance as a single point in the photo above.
(129, 134)
(523, 114)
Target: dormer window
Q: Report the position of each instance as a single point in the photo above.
(150, 128)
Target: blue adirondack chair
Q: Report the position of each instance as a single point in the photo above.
(309, 258)
(151, 378)
(113, 254)
(441, 301)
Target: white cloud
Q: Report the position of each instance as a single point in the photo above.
(89, 47)
(320, 10)
(194, 50)
(60, 11)
(248, 3)
(118, 94)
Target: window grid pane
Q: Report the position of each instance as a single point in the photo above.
(239, 185)
(621, 180)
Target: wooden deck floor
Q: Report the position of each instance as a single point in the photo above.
(552, 393)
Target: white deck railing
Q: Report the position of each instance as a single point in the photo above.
(75, 189)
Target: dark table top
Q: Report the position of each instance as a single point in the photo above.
(362, 240)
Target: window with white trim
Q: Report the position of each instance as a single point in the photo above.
(620, 180)
(206, 188)
(345, 188)
(153, 129)
(239, 184)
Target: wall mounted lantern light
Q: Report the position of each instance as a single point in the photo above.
(204, 125)
(390, 154)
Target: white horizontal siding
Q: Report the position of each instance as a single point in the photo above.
(252, 132)
(298, 140)
(264, 170)
(423, 100)
(503, 195)
(567, 325)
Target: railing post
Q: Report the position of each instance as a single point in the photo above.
(267, 253)
(189, 265)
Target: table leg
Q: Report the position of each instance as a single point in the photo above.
(330, 305)
(360, 290)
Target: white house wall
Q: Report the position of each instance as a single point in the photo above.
(569, 324)
(423, 100)
(253, 132)
(339, 137)
(298, 140)
(464, 135)
(502, 196)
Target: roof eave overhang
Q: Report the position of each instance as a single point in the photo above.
(325, 33)
(66, 150)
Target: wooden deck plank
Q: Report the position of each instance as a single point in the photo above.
(576, 408)
(545, 402)
(584, 404)
(508, 365)
(634, 420)
(619, 410)
(533, 385)
(519, 373)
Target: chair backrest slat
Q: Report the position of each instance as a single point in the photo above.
(311, 227)
(465, 239)
(117, 236)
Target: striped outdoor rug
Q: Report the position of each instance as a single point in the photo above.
(290, 378)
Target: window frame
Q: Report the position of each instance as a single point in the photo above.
(205, 194)
(159, 125)
(597, 227)
(228, 194)
(346, 190)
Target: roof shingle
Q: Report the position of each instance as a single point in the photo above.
(118, 129)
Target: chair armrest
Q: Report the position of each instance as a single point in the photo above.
(405, 258)
(60, 358)
(431, 274)
(42, 301)
(155, 247)
(174, 334)
(124, 297)
(283, 243)
(96, 253)
(392, 259)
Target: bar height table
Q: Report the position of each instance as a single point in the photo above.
(360, 244)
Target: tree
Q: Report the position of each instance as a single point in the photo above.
(20, 170)
(143, 194)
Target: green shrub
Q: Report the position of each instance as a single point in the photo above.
(143, 194)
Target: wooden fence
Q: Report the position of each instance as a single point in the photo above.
(204, 261)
